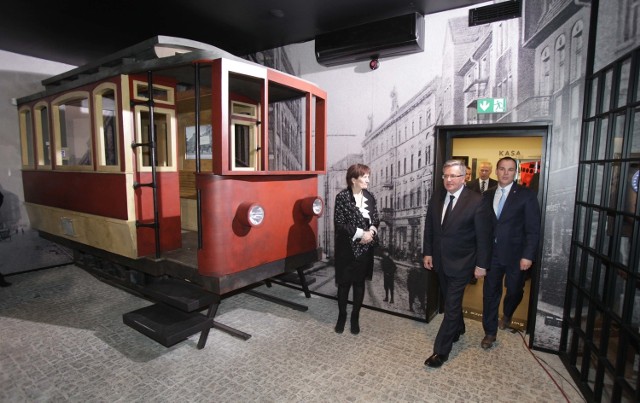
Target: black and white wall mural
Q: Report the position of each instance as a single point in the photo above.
(385, 118)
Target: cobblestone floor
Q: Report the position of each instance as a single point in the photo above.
(26, 251)
(62, 339)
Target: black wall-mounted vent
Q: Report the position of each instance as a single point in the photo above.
(391, 37)
(495, 12)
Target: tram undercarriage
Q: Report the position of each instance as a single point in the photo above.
(179, 293)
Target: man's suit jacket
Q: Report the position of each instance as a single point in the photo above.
(465, 240)
(517, 231)
(475, 184)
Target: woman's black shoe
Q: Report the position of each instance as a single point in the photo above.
(355, 325)
(342, 319)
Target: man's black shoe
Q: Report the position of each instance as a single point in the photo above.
(436, 360)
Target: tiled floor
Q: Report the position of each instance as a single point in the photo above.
(62, 339)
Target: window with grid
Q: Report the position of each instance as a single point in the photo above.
(602, 315)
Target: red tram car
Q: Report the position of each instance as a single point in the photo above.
(173, 164)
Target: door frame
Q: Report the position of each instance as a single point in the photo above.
(444, 136)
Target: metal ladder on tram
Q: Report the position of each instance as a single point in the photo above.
(153, 184)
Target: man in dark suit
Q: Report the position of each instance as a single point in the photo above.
(481, 185)
(516, 232)
(484, 182)
(457, 239)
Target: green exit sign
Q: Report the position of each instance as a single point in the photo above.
(492, 105)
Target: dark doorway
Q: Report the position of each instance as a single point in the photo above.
(527, 143)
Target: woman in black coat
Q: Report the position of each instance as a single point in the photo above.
(356, 226)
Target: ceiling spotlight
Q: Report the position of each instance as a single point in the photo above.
(374, 64)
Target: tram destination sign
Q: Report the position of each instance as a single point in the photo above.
(492, 105)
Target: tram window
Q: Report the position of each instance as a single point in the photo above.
(107, 126)
(161, 94)
(43, 138)
(165, 142)
(243, 109)
(26, 135)
(287, 122)
(73, 131)
(244, 146)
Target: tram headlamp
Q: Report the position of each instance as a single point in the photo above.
(312, 206)
(256, 215)
(250, 214)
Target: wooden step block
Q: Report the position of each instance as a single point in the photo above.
(179, 294)
(165, 324)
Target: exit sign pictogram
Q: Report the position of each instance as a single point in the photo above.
(492, 105)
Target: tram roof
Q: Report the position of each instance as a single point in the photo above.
(166, 53)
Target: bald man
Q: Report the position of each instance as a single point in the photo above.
(484, 182)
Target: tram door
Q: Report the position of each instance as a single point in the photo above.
(166, 206)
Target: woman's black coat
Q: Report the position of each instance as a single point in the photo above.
(346, 220)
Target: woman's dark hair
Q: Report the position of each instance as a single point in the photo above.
(355, 171)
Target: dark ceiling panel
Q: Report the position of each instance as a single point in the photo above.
(79, 31)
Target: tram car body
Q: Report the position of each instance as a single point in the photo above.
(177, 159)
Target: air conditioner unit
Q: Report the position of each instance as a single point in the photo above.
(391, 37)
(495, 12)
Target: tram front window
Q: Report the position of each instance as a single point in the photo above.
(242, 145)
(245, 144)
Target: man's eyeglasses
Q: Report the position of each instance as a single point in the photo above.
(451, 176)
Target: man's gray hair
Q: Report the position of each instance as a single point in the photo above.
(456, 163)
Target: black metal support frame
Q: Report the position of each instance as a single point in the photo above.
(211, 313)
(213, 309)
